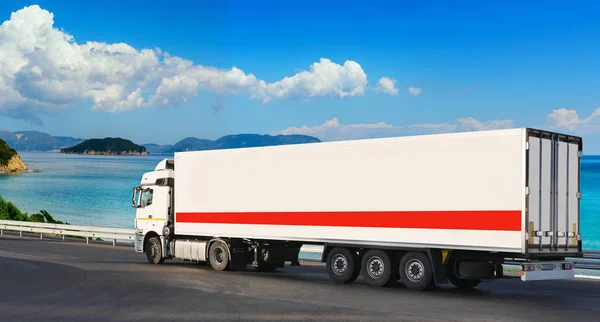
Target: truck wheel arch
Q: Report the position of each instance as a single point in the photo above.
(149, 235)
(218, 240)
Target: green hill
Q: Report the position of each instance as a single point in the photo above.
(106, 146)
(6, 153)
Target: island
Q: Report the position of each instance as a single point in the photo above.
(10, 161)
(106, 146)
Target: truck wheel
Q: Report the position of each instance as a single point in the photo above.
(218, 256)
(416, 271)
(154, 251)
(378, 268)
(342, 265)
(460, 283)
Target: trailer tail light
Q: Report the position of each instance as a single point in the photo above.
(528, 267)
(568, 266)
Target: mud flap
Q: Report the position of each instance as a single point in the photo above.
(239, 256)
(439, 269)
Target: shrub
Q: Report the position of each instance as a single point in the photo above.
(8, 211)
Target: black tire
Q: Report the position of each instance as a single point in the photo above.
(218, 256)
(342, 265)
(460, 283)
(154, 251)
(378, 268)
(416, 271)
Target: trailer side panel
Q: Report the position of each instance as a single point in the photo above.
(461, 191)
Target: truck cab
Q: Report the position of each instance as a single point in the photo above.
(153, 201)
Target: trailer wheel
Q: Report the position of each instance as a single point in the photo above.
(342, 265)
(416, 271)
(218, 256)
(378, 268)
(154, 251)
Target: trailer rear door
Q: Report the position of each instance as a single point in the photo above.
(552, 205)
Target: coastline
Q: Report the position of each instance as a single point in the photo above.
(18, 172)
(128, 153)
(15, 165)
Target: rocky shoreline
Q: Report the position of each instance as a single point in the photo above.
(15, 166)
(92, 152)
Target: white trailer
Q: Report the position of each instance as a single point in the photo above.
(423, 209)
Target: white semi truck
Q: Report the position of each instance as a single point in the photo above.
(424, 210)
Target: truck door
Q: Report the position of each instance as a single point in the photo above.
(553, 178)
(152, 208)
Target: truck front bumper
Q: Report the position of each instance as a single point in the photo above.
(550, 270)
(139, 240)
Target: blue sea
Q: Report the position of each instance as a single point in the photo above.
(96, 190)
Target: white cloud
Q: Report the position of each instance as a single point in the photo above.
(470, 123)
(325, 78)
(387, 85)
(333, 130)
(570, 120)
(43, 68)
(414, 91)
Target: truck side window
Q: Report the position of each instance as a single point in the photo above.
(146, 197)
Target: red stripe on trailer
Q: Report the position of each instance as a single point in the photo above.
(505, 220)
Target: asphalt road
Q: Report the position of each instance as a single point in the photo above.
(52, 280)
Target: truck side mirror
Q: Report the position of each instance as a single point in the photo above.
(134, 192)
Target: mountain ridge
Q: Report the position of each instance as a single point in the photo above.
(234, 141)
(37, 141)
(44, 142)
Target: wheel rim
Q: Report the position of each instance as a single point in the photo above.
(218, 256)
(340, 264)
(375, 267)
(415, 271)
(153, 251)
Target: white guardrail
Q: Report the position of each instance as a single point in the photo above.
(590, 260)
(88, 232)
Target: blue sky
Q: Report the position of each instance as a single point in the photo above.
(477, 65)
